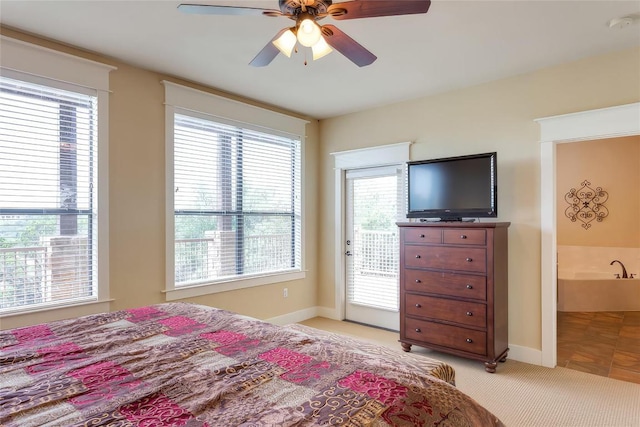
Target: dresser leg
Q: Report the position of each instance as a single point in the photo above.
(490, 366)
(405, 346)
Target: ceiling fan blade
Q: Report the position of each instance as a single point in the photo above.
(207, 9)
(371, 9)
(347, 46)
(268, 53)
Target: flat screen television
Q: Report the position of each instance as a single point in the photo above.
(453, 188)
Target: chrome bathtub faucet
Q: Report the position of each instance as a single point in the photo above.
(624, 270)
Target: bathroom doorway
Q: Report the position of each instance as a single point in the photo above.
(598, 257)
(610, 122)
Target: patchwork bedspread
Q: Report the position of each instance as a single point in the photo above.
(179, 364)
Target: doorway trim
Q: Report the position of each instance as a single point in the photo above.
(612, 122)
(383, 155)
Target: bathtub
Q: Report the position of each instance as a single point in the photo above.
(598, 294)
(586, 281)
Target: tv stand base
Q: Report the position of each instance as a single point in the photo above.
(448, 220)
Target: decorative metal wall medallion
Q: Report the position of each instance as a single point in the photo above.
(586, 204)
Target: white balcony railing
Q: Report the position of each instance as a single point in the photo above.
(376, 253)
(58, 270)
(22, 276)
(215, 257)
(33, 274)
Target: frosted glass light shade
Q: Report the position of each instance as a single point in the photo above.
(308, 33)
(320, 49)
(286, 42)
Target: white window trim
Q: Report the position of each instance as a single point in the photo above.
(41, 65)
(384, 155)
(178, 97)
(50, 64)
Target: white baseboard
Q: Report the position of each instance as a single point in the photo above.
(525, 354)
(307, 313)
(294, 317)
(328, 313)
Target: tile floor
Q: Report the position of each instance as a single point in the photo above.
(601, 343)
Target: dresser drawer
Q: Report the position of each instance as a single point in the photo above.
(443, 283)
(446, 258)
(446, 336)
(462, 312)
(422, 235)
(464, 237)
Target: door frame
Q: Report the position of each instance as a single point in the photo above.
(383, 155)
(612, 122)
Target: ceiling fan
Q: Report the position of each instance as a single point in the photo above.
(320, 38)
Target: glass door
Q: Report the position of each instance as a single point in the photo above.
(374, 202)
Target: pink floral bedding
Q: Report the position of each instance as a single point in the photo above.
(180, 364)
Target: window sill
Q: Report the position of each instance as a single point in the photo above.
(44, 314)
(231, 285)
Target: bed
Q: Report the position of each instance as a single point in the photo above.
(180, 364)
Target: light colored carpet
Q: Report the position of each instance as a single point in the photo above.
(524, 395)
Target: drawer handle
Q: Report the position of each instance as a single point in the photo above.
(463, 236)
(418, 281)
(469, 287)
(418, 305)
(418, 330)
(469, 259)
(422, 236)
(418, 257)
(469, 313)
(469, 340)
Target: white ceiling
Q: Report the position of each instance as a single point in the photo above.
(456, 44)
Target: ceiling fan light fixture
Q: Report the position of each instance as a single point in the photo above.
(308, 33)
(320, 49)
(286, 42)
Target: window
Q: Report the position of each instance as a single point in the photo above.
(49, 221)
(235, 203)
(47, 141)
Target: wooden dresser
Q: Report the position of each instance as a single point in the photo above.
(453, 289)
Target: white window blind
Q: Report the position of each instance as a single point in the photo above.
(237, 210)
(48, 218)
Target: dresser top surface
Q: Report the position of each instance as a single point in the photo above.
(454, 224)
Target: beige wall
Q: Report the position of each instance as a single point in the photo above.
(137, 203)
(613, 165)
(497, 116)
